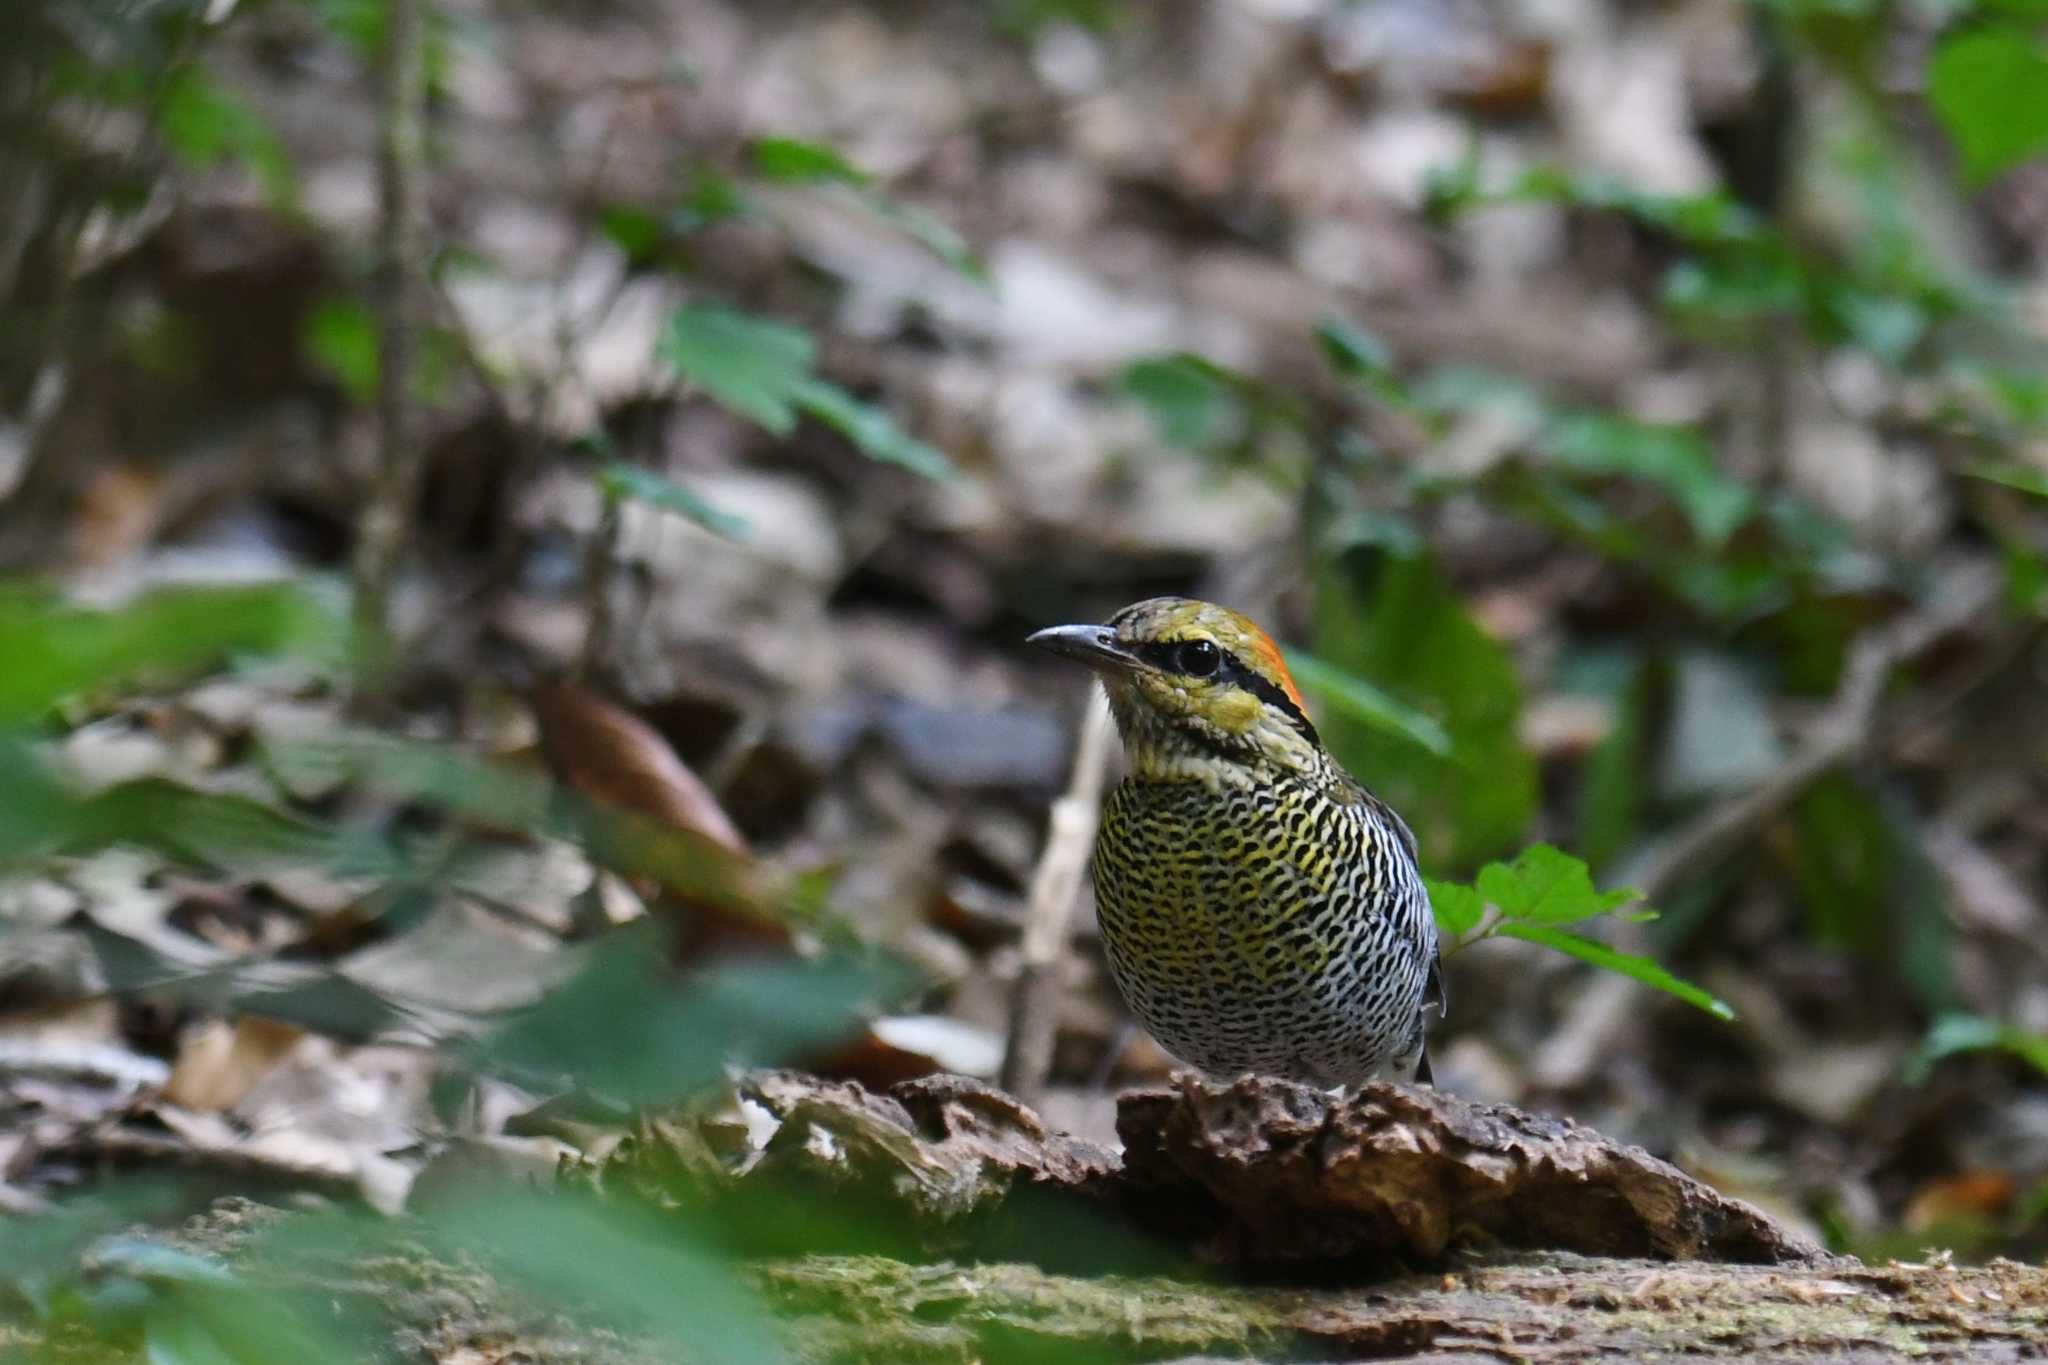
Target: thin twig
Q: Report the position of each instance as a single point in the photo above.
(600, 568)
(1035, 1005)
(1841, 733)
(380, 536)
(1845, 730)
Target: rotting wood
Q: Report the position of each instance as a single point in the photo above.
(1260, 1172)
(1272, 1172)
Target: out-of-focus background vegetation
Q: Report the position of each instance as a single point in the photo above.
(1634, 413)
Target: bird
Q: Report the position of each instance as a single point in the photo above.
(1260, 910)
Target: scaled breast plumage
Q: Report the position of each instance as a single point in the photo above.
(1260, 910)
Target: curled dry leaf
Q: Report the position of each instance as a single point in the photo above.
(611, 755)
(617, 760)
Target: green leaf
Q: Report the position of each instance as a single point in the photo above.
(357, 23)
(1024, 18)
(1600, 955)
(755, 367)
(627, 1025)
(871, 430)
(637, 1269)
(620, 479)
(1457, 907)
(1610, 799)
(1868, 886)
(1842, 864)
(1959, 1033)
(712, 198)
(1724, 297)
(2012, 473)
(1672, 458)
(1192, 403)
(34, 805)
(1361, 700)
(689, 865)
(205, 125)
(636, 231)
(157, 1262)
(1545, 885)
(1404, 628)
(932, 233)
(179, 1338)
(55, 651)
(1352, 351)
(43, 1244)
(763, 371)
(2026, 578)
(1461, 389)
(1886, 325)
(1989, 87)
(238, 1324)
(209, 829)
(792, 159)
(340, 337)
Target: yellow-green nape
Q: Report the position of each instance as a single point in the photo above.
(1169, 620)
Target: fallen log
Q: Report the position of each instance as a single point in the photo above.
(1392, 1224)
(1261, 1173)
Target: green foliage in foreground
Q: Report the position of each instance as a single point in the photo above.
(55, 651)
(622, 1024)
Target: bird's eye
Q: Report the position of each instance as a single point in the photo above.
(1198, 658)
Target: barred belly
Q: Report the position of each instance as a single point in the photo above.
(1265, 929)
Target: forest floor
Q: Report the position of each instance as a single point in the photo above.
(1742, 606)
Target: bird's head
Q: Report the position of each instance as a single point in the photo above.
(1195, 688)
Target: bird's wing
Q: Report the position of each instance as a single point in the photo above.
(1352, 792)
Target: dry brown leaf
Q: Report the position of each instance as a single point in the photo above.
(116, 516)
(220, 1063)
(611, 755)
(618, 760)
(1970, 1194)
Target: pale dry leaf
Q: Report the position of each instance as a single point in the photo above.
(219, 1062)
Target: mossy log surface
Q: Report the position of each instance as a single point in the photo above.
(1257, 1221)
(1534, 1308)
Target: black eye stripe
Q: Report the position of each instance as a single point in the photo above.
(1271, 694)
(1163, 655)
